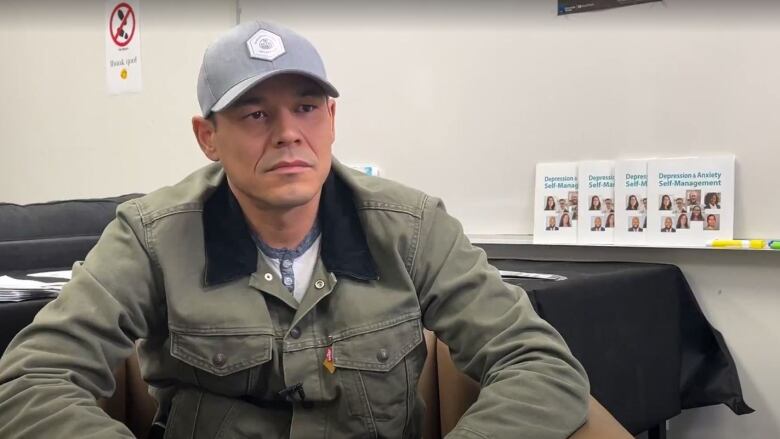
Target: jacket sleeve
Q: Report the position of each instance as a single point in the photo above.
(532, 386)
(55, 368)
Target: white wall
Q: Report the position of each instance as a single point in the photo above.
(63, 136)
(458, 98)
(462, 99)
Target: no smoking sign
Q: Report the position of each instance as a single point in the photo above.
(123, 46)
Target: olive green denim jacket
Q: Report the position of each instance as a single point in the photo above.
(228, 352)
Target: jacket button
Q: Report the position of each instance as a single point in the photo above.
(320, 284)
(269, 277)
(382, 355)
(219, 360)
(295, 332)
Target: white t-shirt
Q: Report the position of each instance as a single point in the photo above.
(302, 268)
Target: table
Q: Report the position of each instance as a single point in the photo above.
(637, 329)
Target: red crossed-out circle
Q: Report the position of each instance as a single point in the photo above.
(115, 32)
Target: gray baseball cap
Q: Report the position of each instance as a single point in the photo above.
(250, 53)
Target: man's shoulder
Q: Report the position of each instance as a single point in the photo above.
(185, 196)
(371, 192)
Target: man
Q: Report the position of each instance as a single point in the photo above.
(551, 224)
(563, 205)
(668, 226)
(276, 293)
(609, 206)
(634, 225)
(712, 222)
(597, 225)
(680, 205)
(693, 198)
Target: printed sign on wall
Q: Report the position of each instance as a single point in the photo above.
(123, 46)
(574, 6)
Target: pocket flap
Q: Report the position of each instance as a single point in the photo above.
(380, 349)
(221, 354)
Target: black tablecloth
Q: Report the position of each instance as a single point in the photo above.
(16, 315)
(640, 334)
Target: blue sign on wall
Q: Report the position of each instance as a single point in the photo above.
(574, 6)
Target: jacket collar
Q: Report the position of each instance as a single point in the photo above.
(231, 252)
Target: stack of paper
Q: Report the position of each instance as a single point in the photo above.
(630, 202)
(690, 200)
(683, 201)
(17, 290)
(596, 202)
(505, 274)
(555, 205)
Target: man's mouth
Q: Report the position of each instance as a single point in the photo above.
(290, 167)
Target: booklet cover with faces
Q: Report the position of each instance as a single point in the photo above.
(630, 202)
(555, 208)
(596, 202)
(690, 200)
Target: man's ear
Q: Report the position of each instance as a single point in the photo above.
(205, 130)
(332, 111)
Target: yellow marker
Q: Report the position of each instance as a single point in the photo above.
(123, 74)
(328, 362)
(739, 243)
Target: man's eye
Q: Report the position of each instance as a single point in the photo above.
(305, 108)
(257, 115)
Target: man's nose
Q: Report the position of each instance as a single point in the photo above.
(286, 132)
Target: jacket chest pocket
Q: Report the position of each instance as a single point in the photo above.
(223, 362)
(377, 372)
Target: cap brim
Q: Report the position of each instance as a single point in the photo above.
(242, 87)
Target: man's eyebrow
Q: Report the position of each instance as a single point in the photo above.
(247, 100)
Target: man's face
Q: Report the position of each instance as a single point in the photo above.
(274, 142)
(668, 223)
(694, 198)
(597, 222)
(635, 222)
(608, 202)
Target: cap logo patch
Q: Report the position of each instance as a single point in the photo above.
(265, 45)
